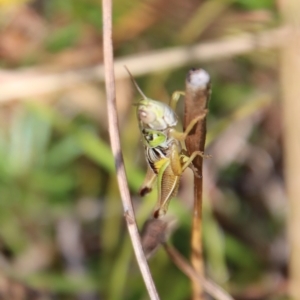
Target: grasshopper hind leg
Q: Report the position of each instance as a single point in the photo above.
(168, 184)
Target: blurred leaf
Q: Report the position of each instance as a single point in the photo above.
(214, 245)
(62, 283)
(64, 152)
(241, 257)
(206, 13)
(29, 137)
(63, 38)
(54, 183)
(255, 4)
(80, 11)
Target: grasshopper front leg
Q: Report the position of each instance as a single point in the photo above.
(174, 99)
(181, 136)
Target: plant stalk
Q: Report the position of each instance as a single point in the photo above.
(197, 94)
(290, 74)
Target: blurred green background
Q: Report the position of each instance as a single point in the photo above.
(61, 220)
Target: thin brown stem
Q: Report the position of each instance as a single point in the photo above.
(210, 287)
(196, 100)
(290, 74)
(116, 148)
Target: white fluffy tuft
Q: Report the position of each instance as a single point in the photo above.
(199, 78)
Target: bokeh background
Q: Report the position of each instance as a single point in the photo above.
(62, 231)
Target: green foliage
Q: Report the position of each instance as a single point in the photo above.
(63, 38)
(83, 11)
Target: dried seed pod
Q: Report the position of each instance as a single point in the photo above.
(155, 232)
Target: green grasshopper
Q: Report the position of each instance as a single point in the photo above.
(163, 151)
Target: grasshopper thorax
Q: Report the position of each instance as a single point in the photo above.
(153, 138)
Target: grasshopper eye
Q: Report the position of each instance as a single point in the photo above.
(146, 116)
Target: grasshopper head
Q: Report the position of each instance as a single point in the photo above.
(154, 114)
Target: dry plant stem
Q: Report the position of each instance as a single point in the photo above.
(290, 76)
(32, 82)
(116, 148)
(197, 94)
(210, 287)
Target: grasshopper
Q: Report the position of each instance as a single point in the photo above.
(163, 150)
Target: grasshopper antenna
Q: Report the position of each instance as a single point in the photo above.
(135, 83)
